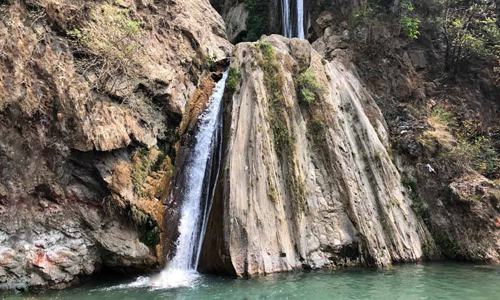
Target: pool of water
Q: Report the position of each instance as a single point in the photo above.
(412, 281)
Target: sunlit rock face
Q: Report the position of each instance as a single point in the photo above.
(90, 94)
(306, 182)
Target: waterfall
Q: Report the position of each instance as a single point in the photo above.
(197, 198)
(300, 19)
(287, 24)
(288, 29)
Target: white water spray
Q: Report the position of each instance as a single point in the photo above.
(196, 200)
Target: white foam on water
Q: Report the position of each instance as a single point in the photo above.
(174, 278)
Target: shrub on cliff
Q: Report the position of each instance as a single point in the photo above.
(308, 87)
(471, 28)
(408, 21)
(111, 40)
(233, 80)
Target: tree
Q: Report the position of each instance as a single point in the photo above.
(470, 30)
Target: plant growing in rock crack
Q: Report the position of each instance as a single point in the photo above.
(283, 134)
(417, 205)
(145, 161)
(210, 60)
(233, 80)
(308, 88)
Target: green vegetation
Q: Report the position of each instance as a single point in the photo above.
(141, 168)
(317, 125)
(376, 12)
(257, 20)
(366, 15)
(410, 26)
(148, 229)
(284, 138)
(409, 23)
(144, 162)
(309, 89)
(210, 60)
(417, 205)
(233, 80)
(444, 117)
(474, 148)
(284, 141)
(471, 29)
(480, 154)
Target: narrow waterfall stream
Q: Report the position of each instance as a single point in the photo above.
(287, 23)
(300, 19)
(288, 28)
(197, 199)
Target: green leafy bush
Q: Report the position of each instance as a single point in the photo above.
(410, 27)
(408, 21)
(210, 60)
(113, 35)
(471, 28)
(233, 80)
(309, 88)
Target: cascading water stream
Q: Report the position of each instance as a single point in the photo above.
(300, 19)
(197, 199)
(287, 24)
(288, 28)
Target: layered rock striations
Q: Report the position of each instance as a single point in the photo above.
(308, 181)
(91, 93)
(99, 102)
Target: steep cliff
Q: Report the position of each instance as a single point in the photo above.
(91, 94)
(308, 180)
(443, 128)
(442, 132)
(357, 150)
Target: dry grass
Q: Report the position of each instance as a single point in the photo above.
(439, 134)
(112, 42)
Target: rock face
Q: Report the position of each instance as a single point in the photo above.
(236, 20)
(263, 16)
(449, 167)
(90, 95)
(307, 179)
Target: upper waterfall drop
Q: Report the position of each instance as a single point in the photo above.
(300, 19)
(288, 27)
(287, 24)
